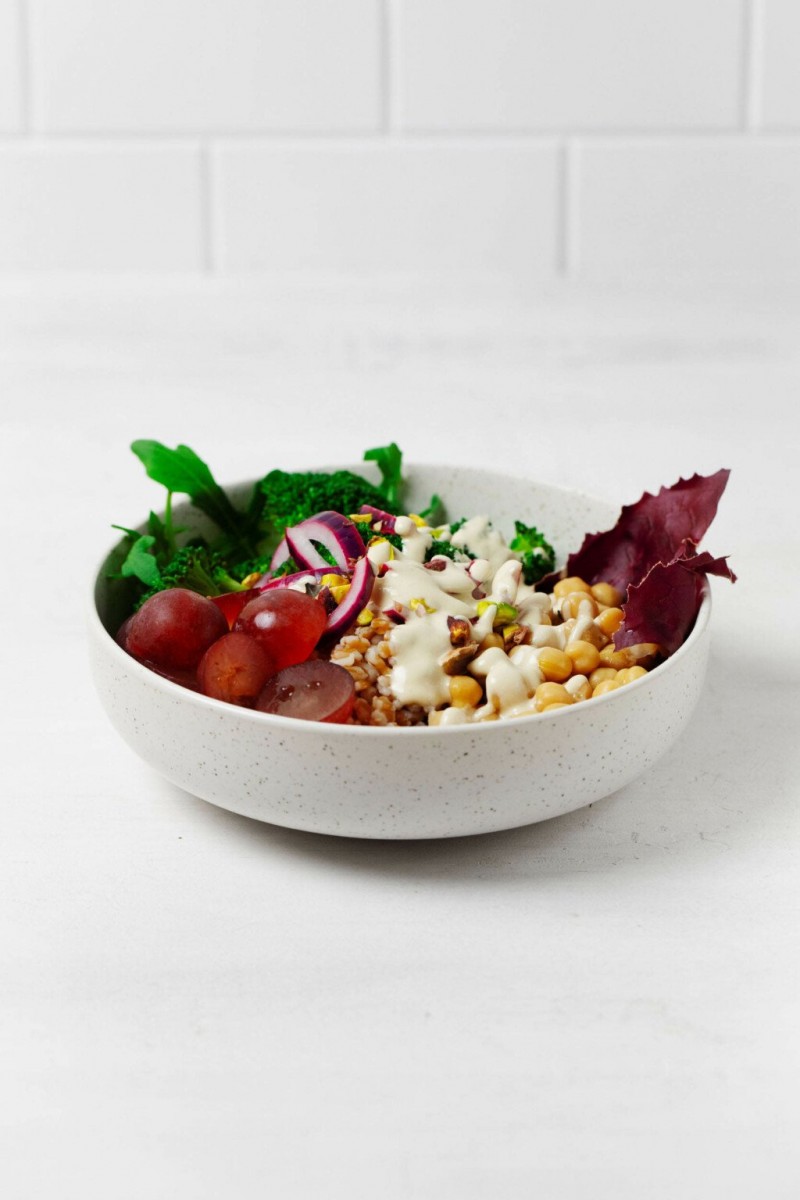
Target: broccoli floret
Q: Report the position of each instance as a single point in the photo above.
(260, 566)
(445, 548)
(448, 550)
(285, 498)
(538, 556)
(197, 568)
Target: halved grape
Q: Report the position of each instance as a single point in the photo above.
(312, 691)
(288, 624)
(173, 629)
(231, 604)
(235, 669)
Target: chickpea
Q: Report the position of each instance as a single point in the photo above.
(628, 674)
(629, 656)
(601, 674)
(465, 692)
(609, 620)
(607, 594)
(643, 652)
(605, 686)
(609, 657)
(579, 688)
(572, 584)
(554, 706)
(491, 641)
(585, 657)
(551, 693)
(555, 665)
(594, 634)
(578, 604)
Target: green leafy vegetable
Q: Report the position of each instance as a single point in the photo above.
(181, 470)
(140, 562)
(389, 460)
(434, 513)
(197, 568)
(246, 541)
(448, 550)
(284, 498)
(538, 556)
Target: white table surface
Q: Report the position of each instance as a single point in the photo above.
(195, 1005)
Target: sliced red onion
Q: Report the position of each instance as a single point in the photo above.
(395, 615)
(344, 615)
(280, 556)
(333, 531)
(307, 576)
(326, 599)
(386, 519)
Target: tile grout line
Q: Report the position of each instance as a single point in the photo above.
(24, 51)
(751, 70)
(453, 137)
(384, 66)
(390, 68)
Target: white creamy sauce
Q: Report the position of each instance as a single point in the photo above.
(575, 683)
(505, 583)
(505, 684)
(479, 536)
(549, 635)
(426, 596)
(526, 660)
(407, 583)
(417, 646)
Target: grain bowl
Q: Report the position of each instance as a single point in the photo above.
(403, 782)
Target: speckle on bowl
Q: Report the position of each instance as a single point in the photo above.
(405, 783)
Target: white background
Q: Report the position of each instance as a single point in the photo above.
(536, 138)
(557, 239)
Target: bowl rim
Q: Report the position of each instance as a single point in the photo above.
(273, 720)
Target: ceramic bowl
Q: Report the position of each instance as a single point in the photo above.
(404, 783)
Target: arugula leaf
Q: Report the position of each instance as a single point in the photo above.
(141, 562)
(181, 470)
(163, 534)
(389, 460)
(435, 510)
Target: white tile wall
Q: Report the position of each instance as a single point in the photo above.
(208, 65)
(704, 207)
(77, 207)
(527, 136)
(389, 207)
(538, 64)
(781, 63)
(10, 66)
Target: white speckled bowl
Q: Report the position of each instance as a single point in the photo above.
(405, 783)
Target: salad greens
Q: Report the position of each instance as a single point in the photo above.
(248, 537)
(538, 556)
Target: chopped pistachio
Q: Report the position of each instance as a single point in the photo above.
(454, 662)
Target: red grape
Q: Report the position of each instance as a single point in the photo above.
(173, 629)
(231, 604)
(288, 624)
(235, 669)
(122, 633)
(313, 691)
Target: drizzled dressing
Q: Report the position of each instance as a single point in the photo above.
(426, 594)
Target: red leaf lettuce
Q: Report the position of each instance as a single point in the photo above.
(651, 556)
